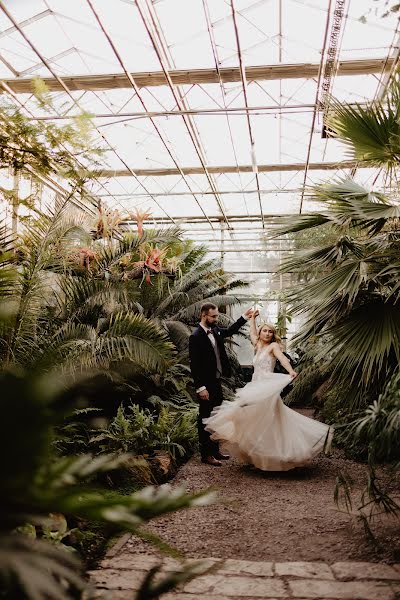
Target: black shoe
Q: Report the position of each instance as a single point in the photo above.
(220, 456)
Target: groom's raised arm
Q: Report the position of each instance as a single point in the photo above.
(234, 328)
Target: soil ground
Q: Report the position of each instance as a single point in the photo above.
(286, 516)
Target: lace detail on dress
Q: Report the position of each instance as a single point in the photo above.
(264, 364)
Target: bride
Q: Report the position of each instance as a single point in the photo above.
(257, 427)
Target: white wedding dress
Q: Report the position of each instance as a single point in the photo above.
(259, 429)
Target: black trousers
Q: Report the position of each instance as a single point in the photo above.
(207, 446)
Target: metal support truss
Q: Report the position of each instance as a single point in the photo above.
(323, 166)
(111, 81)
(149, 19)
(65, 88)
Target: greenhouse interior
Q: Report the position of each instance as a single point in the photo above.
(200, 299)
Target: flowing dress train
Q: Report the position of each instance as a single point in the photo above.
(259, 429)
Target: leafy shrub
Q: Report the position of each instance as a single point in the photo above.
(36, 483)
(141, 431)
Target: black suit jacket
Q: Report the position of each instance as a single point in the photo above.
(203, 363)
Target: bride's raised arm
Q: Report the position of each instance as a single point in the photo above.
(253, 328)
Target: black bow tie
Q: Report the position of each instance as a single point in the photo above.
(209, 331)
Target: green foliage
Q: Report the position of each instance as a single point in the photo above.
(357, 277)
(44, 147)
(88, 326)
(71, 308)
(36, 483)
(307, 382)
(175, 303)
(349, 295)
(141, 432)
(379, 426)
(370, 132)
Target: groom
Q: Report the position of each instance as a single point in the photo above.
(208, 362)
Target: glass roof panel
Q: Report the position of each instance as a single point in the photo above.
(205, 118)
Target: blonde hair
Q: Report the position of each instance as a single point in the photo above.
(275, 338)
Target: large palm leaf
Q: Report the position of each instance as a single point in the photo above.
(357, 277)
(124, 337)
(370, 132)
(7, 271)
(109, 256)
(349, 206)
(36, 253)
(364, 341)
(84, 299)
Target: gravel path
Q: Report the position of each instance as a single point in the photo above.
(288, 516)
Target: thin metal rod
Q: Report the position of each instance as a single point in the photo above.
(135, 87)
(180, 102)
(316, 101)
(221, 87)
(240, 111)
(22, 24)
(51, 59)
(244, 87)
(323, 166)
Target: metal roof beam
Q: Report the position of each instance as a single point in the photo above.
(194, 76)
(323, 166)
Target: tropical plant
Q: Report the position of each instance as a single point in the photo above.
(378, 430)
(140, 216)
(66, 315)
(175, 304)
(75, 322)
(310, 378)
(351, 302)
(370, 132)
(36, 484)
(360, 278)
(141, 431)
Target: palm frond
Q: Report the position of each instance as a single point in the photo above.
(323, 258)
(348, 206)
(178, 333)
(355, 357)
(132, 336)
(109, 256)
(79, 295)
(8, 274)
(30, 289)
(300, 223)
(370, 132)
